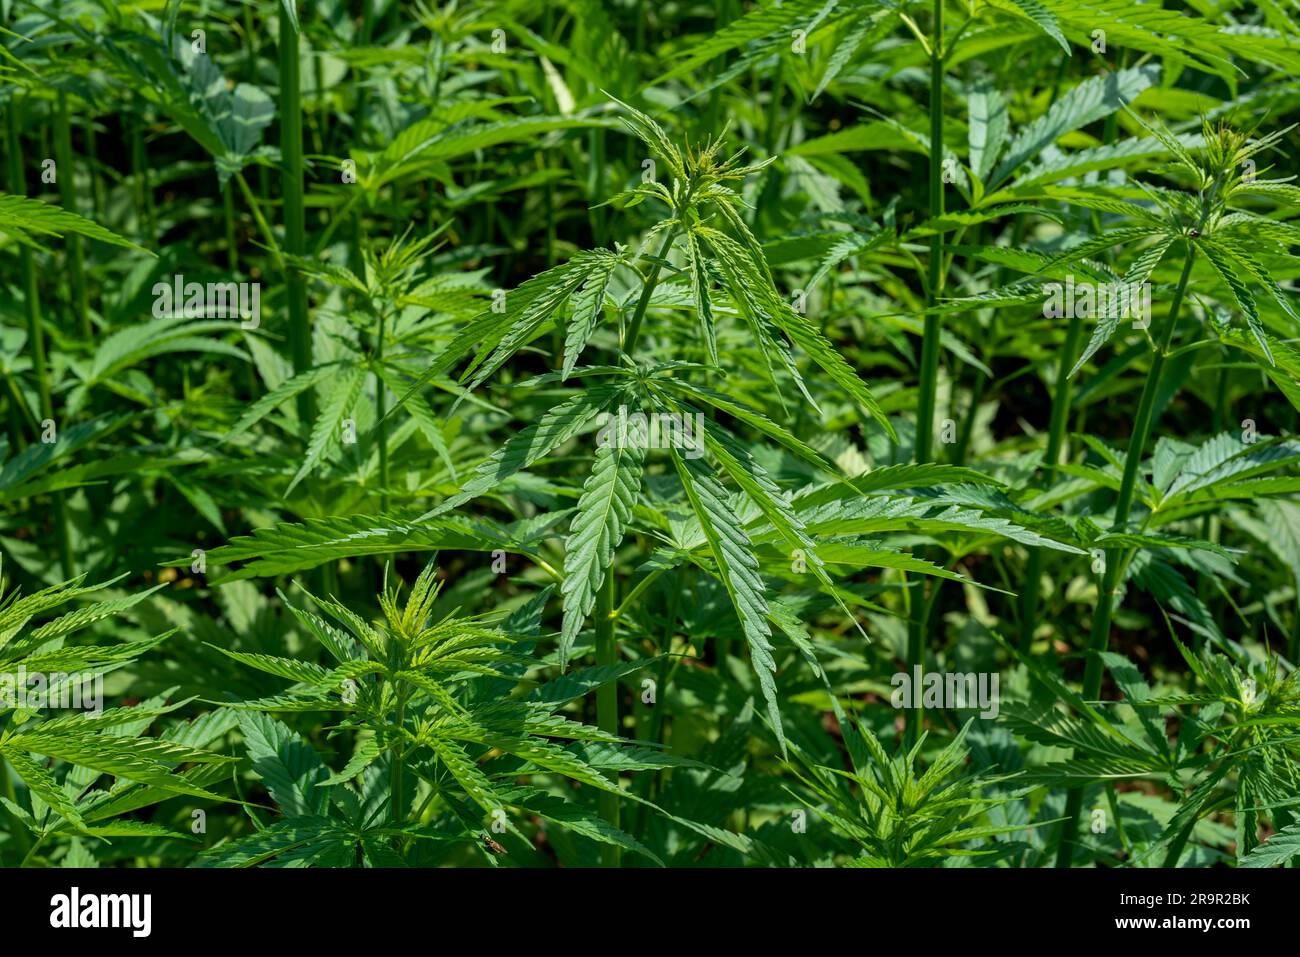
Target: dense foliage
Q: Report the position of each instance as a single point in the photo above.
(792, 433)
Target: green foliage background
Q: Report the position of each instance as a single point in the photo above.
(368, 584)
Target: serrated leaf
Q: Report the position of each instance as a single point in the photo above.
(598, 525)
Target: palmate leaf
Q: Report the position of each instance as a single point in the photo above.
(1139, 272)
(538, 440)
(700, 294)
(20, 217)
(422, 414)
(852, 244)
(777, 510)
(290, 547)
(759, 24)
(852, 552)
(38, 457)
(751, 417)
(536, 751)
(575, 684)
(428, 141)
(490, 326)
(169, 334)
(325, 431)
(291, 668)
(66, 624)
(93, 743)
(1164, 583)
(1175, 37)
(987, 127)
(287, 765)
(1242, 255)
(1226, 458)
(588, 310)
(749, 281)
(145, 761)
(865, 32)
(866, 516)
(575, 818)
(272, 841)
(467, 774)
(1086, 103)
(1108, 156)
(1240, 291)
(1284, 370)
(1046, 725)
(553, 288)
(892, 478)
(44, 785)
(1045, 19)
(739, 571)
(602, 515)
(1276, 851)
(280, 395)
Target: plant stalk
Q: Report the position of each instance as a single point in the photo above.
(607, 704)
(638, 314)
(1100, 635)
(929, 379)
(294, 229)
(36, 333)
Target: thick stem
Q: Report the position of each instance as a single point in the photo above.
(930, 336)
(607, 703)
(228, 214)
(18, 836)
(638, 314)
(929, 345)
(381, 409)
(92, 161)
(36, 332)
(1115, 562)
(396, 807)
(294, 229)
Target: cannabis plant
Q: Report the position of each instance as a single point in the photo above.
(85, 771)
(707, 371)
(436, 752)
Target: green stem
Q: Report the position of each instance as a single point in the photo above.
(27, 858)
(294, 229)
(930, 338)
(18, 835)
(638, 314)
(35, 330)
(607, 703)
(256, 209)
(929, 373)
(92, 160)
(382, 411)
(395, 766)
(1099, 638)
(228, 212)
